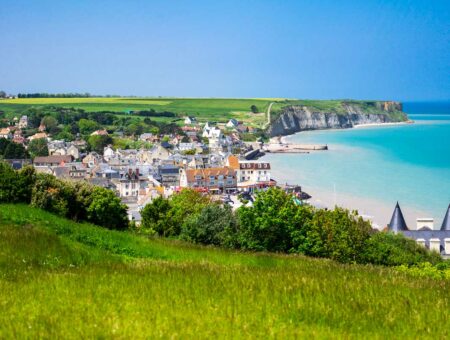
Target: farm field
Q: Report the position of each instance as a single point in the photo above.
(61, 279)
(203, 108)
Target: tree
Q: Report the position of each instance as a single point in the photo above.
(51, 124)
(214, 225)
(254, 109)
(155, 215)
(107, 210)
(99, 142)
(337, 234)
(266, 224)
(53, 195)
(390, 249)
(26, 178)
(183, 205)
(38, 147)
(87, 126)
(11, 150)
(2, 94)
(8, 183)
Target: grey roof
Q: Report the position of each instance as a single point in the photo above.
(446, 222)
(426, 235)
(397, 221)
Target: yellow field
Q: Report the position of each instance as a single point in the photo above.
(93, 100)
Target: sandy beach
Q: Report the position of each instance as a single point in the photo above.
(379, 213)
(382, 124)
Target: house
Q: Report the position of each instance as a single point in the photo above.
(130, 183)
(146, 137)
(100, 133)
(108, 153)
(242, 128)
(186, 146)
(425, 232)
(251, 174)
(217, 180)
(92, 159)
(6, 133)
(23, 122)
(169, 175)
(232, 123)
(55, 160)
(73, 151)
(38, 135)
(190, 120)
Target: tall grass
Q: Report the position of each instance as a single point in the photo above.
(67, 280)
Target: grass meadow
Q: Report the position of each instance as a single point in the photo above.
(204, 109)
(68, 280)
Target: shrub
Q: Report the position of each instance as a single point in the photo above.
(214, 225)
(182, 206)
(266, 224)
(106, 209)
(391, 249)
(155, 215)
(337, 234)
(53, 195)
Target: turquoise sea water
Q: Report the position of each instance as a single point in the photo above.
(405, 163)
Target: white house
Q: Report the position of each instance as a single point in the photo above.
(23, 122)
(108, 153)
(232, 123)
(250, 174)
(190, 120)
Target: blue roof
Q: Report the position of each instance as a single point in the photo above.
(397, 221)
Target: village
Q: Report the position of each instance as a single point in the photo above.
(225, 167)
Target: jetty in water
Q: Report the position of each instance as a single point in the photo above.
(293, 148)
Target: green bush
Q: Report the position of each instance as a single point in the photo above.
(53, 195)
(15, 186)
(106, 209)
(155, 216)
(267, 223)
(215, 225)
(337, 234)
(390, 249)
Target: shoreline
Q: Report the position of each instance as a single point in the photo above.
(376, 210)
(284, 139)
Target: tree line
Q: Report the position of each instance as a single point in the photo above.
(53, 95)
(273, 223)
(78, 201)
(276, 223)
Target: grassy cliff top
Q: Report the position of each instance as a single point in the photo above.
(205, 109)
(63, 279)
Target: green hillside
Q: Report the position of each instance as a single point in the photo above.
(61, 279)
(205, 109)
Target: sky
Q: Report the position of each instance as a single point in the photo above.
(316, 49)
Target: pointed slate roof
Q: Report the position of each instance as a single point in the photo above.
(397, 221)
(446, 221)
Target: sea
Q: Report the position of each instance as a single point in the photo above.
(371, 168)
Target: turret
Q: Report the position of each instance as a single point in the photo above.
(446, 222)
(397, 221)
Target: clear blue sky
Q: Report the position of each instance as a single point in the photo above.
(299, 49)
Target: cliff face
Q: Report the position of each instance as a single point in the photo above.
(293, 119)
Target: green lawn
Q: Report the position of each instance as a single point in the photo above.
(59, 279)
